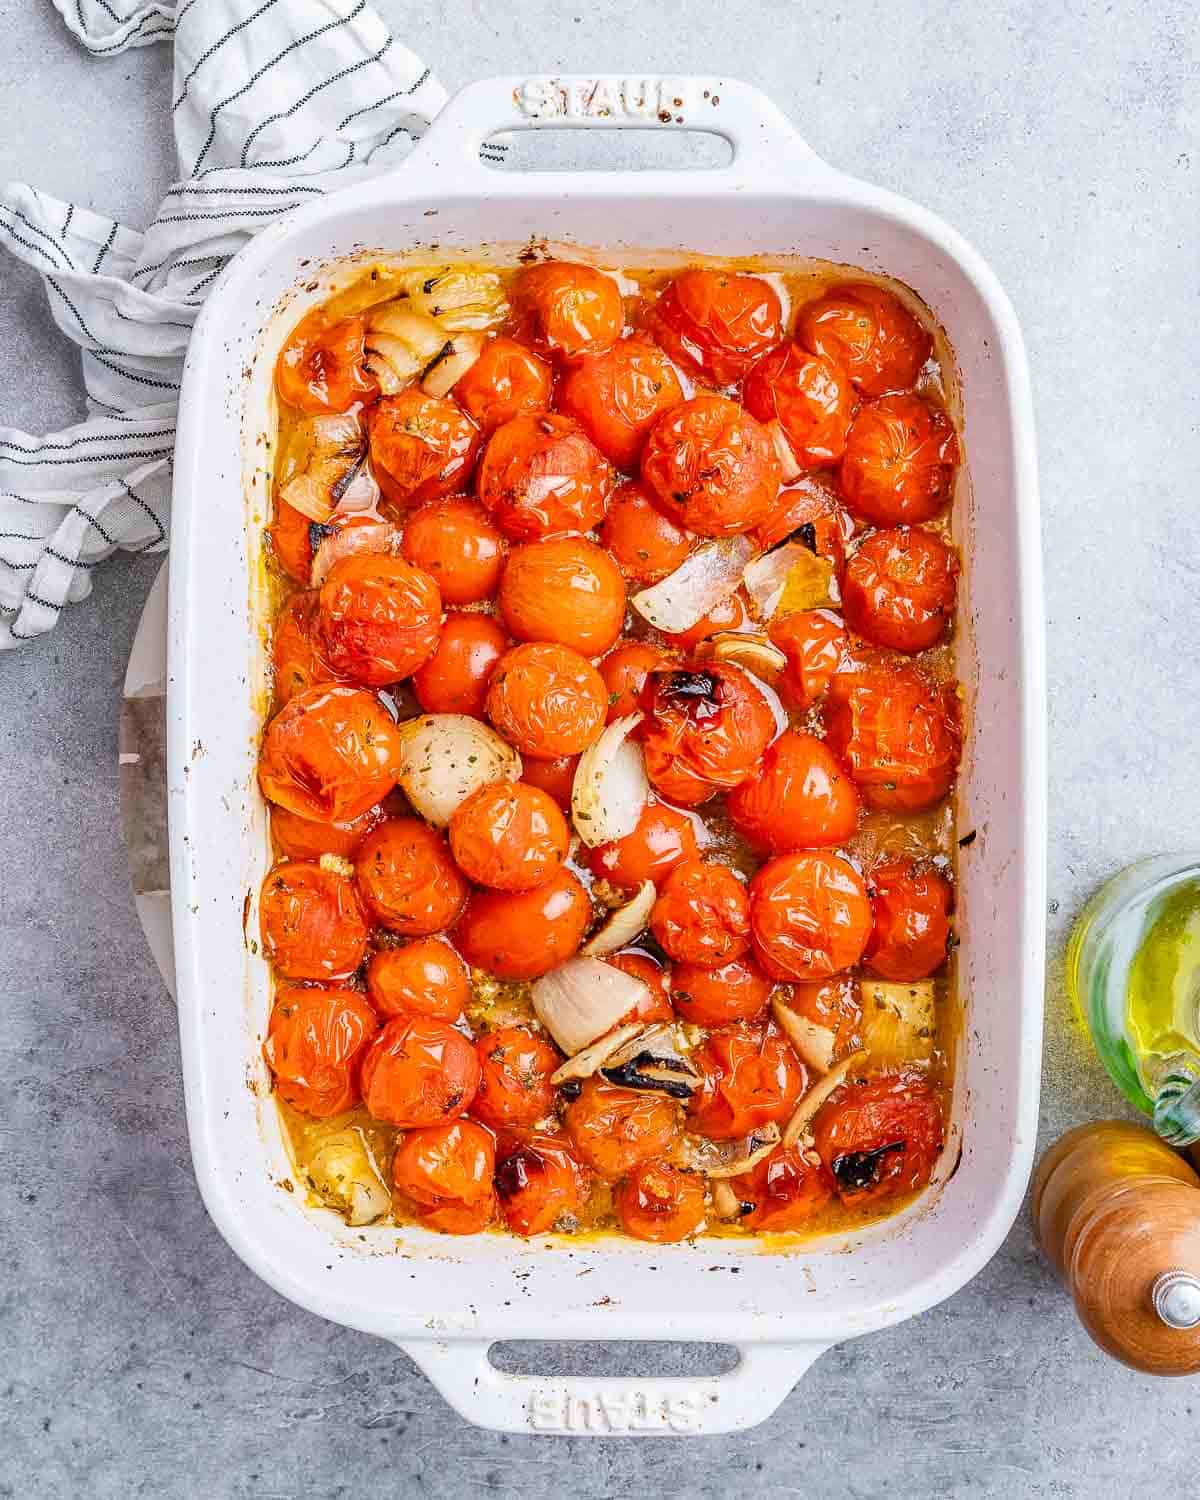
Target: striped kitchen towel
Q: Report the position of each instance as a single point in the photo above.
(274, 102)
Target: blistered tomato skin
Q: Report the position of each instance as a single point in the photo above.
(514, 1085)
(624, 672)
(452, 1216)
(810, 510)
(897, 733)
(539, 1184)
(663, 838)
(509, 836)
(615, 396)
(454, 1160)
(731, 616)
(911, 903)
(899, 589)
(419, 1072)
(542, 475)
(717, 323)
(523, 934)
(711, 467)
(702, 915)
(566, 590)
(870, 333)
(422, 447)
(311, 922)
(457, 545)
(302, 838)
(407, 880)
(506, 381)
(735, 991)
(296, 653)
(322, 367)
(455, 679)
(784, 1191)
(660, 1202)
(810, 915)
(570, 309)
(900, 460)
(330, 754)
(705, 730)
(814, 642)
(424, 978)
(750, 1076)
(315, 1043)
(809, 396)
(613, 1129)
(800, 798)
(879, 1136)
(378, 618)
(547, 700)
(646, 544)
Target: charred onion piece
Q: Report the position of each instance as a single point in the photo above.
(624, 926)
(653, 1062)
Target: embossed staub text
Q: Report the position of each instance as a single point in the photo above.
(632, 1410)
(667, 100)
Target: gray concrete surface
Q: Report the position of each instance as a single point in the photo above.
(137, 1356)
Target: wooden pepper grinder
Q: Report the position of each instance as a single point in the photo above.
(1117, 1212)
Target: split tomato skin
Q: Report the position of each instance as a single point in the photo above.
(717, 323)
(730, 617)
(522, 934)
(514, 1086)
(800, 798)
(702, 915)
(663, 838)
(814, 642)
(291, 541)
(424, 978)
(705, 730)
(507, 380)
(455, 679)
(616, 396)
(311, 921)
(711, 467)
(330, 754)
(783, 1191)
(566, 590)
(750, 1076)
(811, 398)
(880, 1136)
(899, 589)
(419, 1072)
(455, 543)
(379, 618)
(569, 309)
(547, 700)
(315, 1043)
(542, 475)
(911, 904)
(870, 333)
(897, 733)
(660, 1202)
(509, 836)
(733, 991)
(613, 1129)
(646, 544)
(811, 510)
(900, 461)
(452, 1161)
(810, 915)
(422, 447)
(407, 879)
(539, 1184)
(322, 367)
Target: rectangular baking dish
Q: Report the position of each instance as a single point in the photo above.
(445, 1300)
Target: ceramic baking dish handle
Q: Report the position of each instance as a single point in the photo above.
(761, 138)
(611, 1406)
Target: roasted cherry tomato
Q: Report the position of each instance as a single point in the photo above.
(809, 396)
(899, 462)
(811, 512)
(311, 921)
(455, 678)
(660, 1202)
(784, 1190)
(800, 798)
(613, 1129)
(457, 545)
(717, 323)
(322, 367)
(296, 655)
(291, 541)
(879, 1136)
(541, 474)
(898, 734)
(314, 1046)
(330, 754)
(810, 915)
(509, 836)
(522, 934)
(833, 1010)
(625, 671)
(547, 700)
(424, 978)
(615, 396)
(750, 1076)
(422, 447)
(730, 617)
(870, 333)
(566, 590)
(736, 991)
(701, 915)
(539, 1184)
(911, 903)
(407, 879)
(555, 776)
(419, 1072)
(663, 838)
(645, 542)
(301, 838)
(454, 1160)
(704, 730)
(814, 642)
(711, 467)
(379, 618)
(569, 309)
(898, 589)
(655, 1006)
(514, 1083)
(450, 1216)
(506, 381)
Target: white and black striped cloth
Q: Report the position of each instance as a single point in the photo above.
(274, 101)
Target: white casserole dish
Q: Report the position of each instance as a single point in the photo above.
(445, 1300)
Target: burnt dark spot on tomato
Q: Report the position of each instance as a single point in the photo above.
(806, 535)
(856, 1170)
(571, 1090)
(696, 694)
(514, 1173)
(317, 532)
(453, 1100)
(647, 943)
(968, 839)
